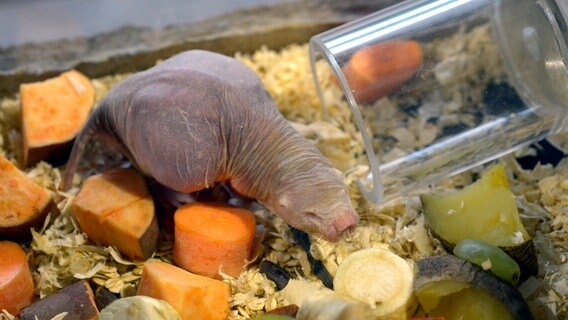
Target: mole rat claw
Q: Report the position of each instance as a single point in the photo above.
(343, 222)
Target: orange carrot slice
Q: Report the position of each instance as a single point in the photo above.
(53, 113)
(210, 238)
(115, 208)
(23, 203)
(193, 296)
(380, 69)
(16, 284)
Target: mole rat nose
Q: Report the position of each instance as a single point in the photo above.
(343, 222)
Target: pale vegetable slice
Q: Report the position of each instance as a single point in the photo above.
(297, 291)
(321, 303)
(139, 308)
(315, 302)
(378, 277)
(485, 210)
(334, 307)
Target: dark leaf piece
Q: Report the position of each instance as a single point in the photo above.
(318, 268)
(103, 297)
(275, 273)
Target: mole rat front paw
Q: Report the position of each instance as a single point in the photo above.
(340, 224)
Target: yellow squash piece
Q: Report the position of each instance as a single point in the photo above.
(464, 304)
(485, 210)
(454, 288)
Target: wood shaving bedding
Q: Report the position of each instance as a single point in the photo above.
(60, 253)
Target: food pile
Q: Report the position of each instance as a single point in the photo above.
(406, 258)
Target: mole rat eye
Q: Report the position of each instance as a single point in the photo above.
(311, 215)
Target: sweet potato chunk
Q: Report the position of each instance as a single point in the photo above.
(116, 209)
(195, 297)
(53, 113)
(23, 203)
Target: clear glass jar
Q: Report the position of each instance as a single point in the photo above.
(437, 87)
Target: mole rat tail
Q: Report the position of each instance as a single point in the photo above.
(84, 138)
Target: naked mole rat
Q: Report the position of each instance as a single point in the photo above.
(199, 118)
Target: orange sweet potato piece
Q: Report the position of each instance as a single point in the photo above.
(378, 70)
(16, 283)
(53, 113)
(23, 203)
(211, 237)
(115, 208)
(193, 296)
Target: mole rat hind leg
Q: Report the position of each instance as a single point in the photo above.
(168, 198)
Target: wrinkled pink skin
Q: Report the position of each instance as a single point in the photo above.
(200, 118)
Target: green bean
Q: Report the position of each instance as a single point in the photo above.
(478, 252)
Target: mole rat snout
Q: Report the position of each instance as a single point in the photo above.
(345, 220)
